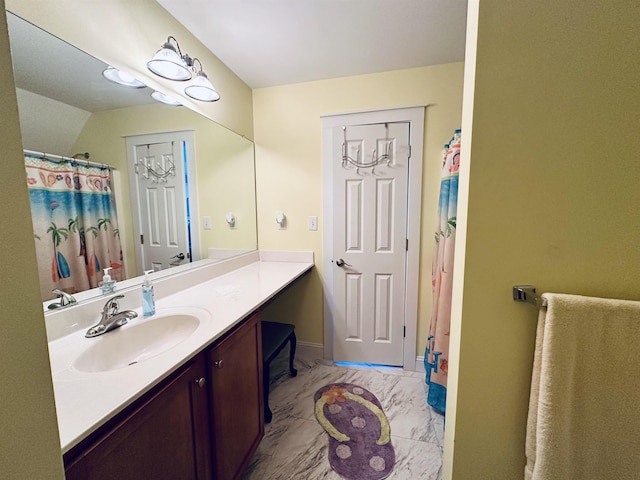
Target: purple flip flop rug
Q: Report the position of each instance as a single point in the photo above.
(359, 433)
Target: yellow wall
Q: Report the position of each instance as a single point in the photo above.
(288, 134)
(224, 170)
(553, 201)
(126, 34)
(29, 435)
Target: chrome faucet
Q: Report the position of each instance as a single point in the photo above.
(111, 318)
(65, 299)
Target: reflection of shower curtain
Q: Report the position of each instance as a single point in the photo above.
(436, 357)
(74, 224)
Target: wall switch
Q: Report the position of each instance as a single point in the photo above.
(313, 223)
(206, 223)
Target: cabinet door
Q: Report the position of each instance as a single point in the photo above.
(166, 437)
(235, 372)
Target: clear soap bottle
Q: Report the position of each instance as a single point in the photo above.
(148, 300)
(108, 285)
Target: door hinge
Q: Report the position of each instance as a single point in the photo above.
(141, 239)
(409, 151)
(404, 331)
(406, 244)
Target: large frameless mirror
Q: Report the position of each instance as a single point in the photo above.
(69, 111)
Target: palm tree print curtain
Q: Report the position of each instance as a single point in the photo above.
(436, 357)
(74, 224)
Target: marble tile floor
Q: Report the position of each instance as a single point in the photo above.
(295, 446)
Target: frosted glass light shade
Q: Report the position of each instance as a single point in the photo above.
(202, 89)
(122, 78)
(168, 64)
(161, 97)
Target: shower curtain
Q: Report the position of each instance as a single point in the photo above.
(436, 357)
(74, 224)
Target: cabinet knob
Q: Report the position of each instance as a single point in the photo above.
(201, 382)
(219, 363)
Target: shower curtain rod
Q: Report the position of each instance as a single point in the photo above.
(70, 159)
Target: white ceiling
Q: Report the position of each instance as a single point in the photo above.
(279, 42)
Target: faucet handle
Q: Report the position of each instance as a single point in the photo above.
(65, 298)
(112, 304)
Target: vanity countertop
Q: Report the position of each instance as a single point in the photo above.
(86, 400)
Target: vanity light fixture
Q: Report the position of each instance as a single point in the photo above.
(122, 78)
(161, 97)
(201, 88)
(169, 62)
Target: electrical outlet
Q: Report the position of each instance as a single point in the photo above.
(206, 223)
(313, 223)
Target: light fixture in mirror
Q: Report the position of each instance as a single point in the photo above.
(68, 111)
(122, 78)
(164, 98)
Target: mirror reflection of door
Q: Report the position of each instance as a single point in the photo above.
(158, 167)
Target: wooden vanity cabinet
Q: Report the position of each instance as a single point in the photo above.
(163, 436)
(202, 423)
(235, 392)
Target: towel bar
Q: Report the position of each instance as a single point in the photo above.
(527, 293)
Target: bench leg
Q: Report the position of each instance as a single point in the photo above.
(265, 384)
(292, 353)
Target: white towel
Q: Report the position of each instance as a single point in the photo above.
(584, 410)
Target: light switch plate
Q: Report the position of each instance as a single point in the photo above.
(313, 223)
(206, 223)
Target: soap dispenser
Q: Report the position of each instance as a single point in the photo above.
(108, 285)
(148, 300)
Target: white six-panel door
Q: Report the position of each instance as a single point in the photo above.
(370, 232)
(159, 199)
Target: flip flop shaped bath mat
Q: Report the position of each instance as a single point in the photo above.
(359, 433)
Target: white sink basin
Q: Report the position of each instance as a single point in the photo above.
(135, 343)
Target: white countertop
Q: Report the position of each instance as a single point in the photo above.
(86, 400)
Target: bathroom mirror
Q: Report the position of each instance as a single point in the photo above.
(67, 107)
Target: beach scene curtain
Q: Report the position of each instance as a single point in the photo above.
(436, 357)
(74, 224)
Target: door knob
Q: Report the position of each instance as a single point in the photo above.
(341, 263)
(200, 382)
(179, 256)
(219, 363)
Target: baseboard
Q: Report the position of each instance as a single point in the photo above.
(309, 351)
(420, 365)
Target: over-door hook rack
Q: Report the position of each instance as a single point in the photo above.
(375, 160)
